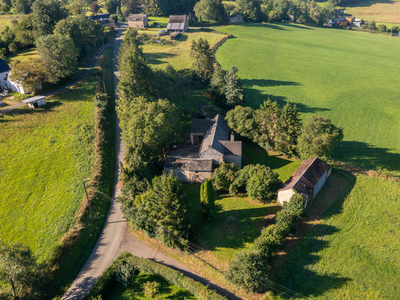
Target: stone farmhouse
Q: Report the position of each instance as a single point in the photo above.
(138, 21)
(210, 144)
(178, 23)
(307, 180)
(236, 17)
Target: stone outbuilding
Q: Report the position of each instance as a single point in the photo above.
(210, 144)
(35, 102)
(178, 23)
(138, 21)
(307, 180)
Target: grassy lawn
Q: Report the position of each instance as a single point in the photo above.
(45, 155)
(339, 74)
(167, 290)
(5, 20)
(353, 253)
(159, 56)
(24, 54)
(375, 10)
(224, 236)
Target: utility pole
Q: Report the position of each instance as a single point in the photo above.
(87, 198)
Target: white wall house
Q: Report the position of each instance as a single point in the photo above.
(4, 70)
(307, 180)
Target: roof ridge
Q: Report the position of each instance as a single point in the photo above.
(315, 158)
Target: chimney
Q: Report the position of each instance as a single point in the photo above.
(232, 137)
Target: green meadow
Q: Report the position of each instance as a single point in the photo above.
(353, 252)
(45, 154)
(347, 76)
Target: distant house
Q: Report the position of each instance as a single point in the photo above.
(138, 21)
(337, 22)
(102, 19)
(236, 17)
(4, 72)
(307, 180)
(35, 102)
(178, 23)
(357, 23)
(210, 144)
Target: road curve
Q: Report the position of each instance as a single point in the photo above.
(116, 236)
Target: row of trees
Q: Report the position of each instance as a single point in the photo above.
(300, 11)
(60, 40)
(149, 125)
(225, 87)
(249, 269)
(257, 181)
(280, 129)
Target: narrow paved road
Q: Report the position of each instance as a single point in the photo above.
(116, 236)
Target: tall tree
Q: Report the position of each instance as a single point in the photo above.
(30, 74)
(232, 88)
(203, 61)
(19, 273)
(210, 10)
(319, 136)
(46, 14)
(136, 76)
(242, 120)
(250, 8)
(152, 7)
(59, 56)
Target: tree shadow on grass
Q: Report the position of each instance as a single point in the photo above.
(368, 3)
(256, 97)
(25, 110)
(367, 156)
(156, 58)
(278, 26)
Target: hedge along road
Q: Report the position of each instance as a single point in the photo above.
(116, 237)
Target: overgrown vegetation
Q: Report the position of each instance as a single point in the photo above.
(132, 264)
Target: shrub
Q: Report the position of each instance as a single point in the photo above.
(125, 273)
(224, 176)
(269, 240)
(242, 177)
(382, 28)
(151, 289)
(207, 199)
(101, 100)
(372, 25)
(290, 213)
(263, 184)
(246, 270)
(162, 32)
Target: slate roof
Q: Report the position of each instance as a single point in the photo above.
(33, 99)
(306, 176)
(200, 126)
(232, 147)
(219, 131)
(177, 22)
(3, 66)
(137, 17)
(189, 164)
(200, 165)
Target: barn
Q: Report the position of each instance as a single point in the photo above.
(138, 21)
(178, 23)
(307, 180)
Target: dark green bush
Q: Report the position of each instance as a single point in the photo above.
(224, 176)
(269, 240)
(207, 200)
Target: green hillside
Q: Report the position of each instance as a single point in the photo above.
(347, 76)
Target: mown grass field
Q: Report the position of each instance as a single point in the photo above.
(353, 253)
(222, 236)
(166, 291)
(45, 154)
(159, 56)
(346, 76)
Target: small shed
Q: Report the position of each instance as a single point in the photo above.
(307, 180)
(175, 36)
(236, 17)
(138, 21)
(178, 23)
(35, 102)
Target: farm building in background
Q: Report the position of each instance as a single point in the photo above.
(178, 23)
(138, 21)
(4, 71)
(307, 180)
(210, 144)
(236, 17)
(103, 19)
